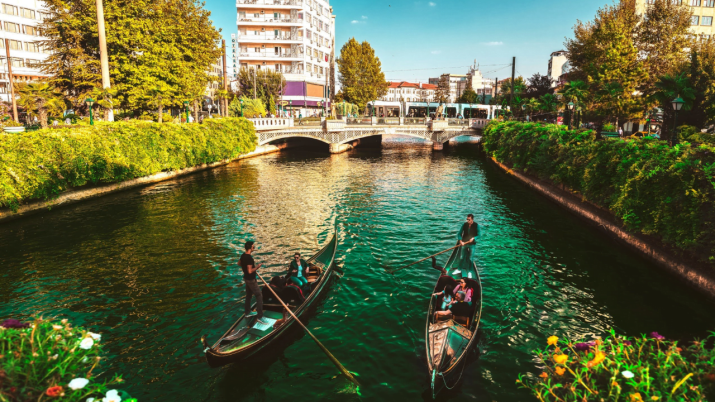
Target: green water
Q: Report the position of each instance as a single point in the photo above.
(150, 269)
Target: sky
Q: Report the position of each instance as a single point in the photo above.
(416, 40)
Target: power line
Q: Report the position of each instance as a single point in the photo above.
(441, 68)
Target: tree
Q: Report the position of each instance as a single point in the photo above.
(669, 87)
(173, 41)
(662, 35)
(360, 73)
(40, 99)
(604, 54)
(264, 83)
(251, 108)
(505, 90)
(539, 85)
(468, 96)
(548, 103)
(105, 98)
(441, 94)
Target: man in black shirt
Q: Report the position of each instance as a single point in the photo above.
(467, 237)
(249, 268)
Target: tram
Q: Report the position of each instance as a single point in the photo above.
(422, 109)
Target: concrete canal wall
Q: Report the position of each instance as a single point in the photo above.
(700, 277)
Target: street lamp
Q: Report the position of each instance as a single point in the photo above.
(241, 101)
(186, 106)
(570, 105)
(90, 102)
(677, 105)
(209, 107)
(523, 109)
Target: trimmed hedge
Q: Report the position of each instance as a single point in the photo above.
(654, 189)
(42, 164)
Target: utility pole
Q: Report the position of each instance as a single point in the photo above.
(224, 101)
(255, 73)
(513, 71)
(103, 57)
(12, 81)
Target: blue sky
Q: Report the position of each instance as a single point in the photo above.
(418, 39)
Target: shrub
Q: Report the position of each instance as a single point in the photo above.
(49, 360)
(621, 369)
(44, 163)
(252, 108)
(654, 189)
(609, 127)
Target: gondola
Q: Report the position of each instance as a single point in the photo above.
(246, 337)
(448, 342)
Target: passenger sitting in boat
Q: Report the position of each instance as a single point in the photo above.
(447, 314)
(468, 291)
(298, 271)
(447, 293)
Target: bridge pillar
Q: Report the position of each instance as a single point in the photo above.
(437, 146)
(340, 148)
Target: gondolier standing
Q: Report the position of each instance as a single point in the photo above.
(467, 237)
(249, 268)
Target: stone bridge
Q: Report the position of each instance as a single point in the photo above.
(339, 133)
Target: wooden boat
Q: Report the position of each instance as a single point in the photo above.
(448, 342)
(246, 337)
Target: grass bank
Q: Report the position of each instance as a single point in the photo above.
(40, 165)
(664, 192)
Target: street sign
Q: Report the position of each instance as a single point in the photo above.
(284, 103)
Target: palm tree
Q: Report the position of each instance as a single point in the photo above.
(532, 104)
(40, 99)
(669, 87)
(104, 98)
(162, 95)
(548, 103)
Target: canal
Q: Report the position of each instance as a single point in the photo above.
(152, 271)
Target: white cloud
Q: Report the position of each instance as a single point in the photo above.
(354, 22)
(493, 43)
(432, 4)
(436, 52)
(364, 17)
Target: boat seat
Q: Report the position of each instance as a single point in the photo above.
(462, 320)
(314, 273)
(292, 295)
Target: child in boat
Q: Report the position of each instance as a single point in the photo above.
(447, 314)
(447, 293)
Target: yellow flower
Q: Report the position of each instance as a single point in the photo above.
(560, 359)
(600, 356)
(636, 397)
(654, 398)
(560, 370)
(553, 340)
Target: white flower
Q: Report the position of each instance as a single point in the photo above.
(78, 383)
(86, 343)
(628, 374)
(57, 327)
(94, 336)
(112, 396)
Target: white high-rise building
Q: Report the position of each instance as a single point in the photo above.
(18, 24)
(295, 37)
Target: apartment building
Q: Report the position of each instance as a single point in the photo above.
(18, 24)
(702, 20)
(409, 92)
(459, 82)
(295, 37)
(557, 61)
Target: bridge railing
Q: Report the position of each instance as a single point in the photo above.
(395, 121)
(478, 123)
(457, 122)
(415, 120)
(271, 123)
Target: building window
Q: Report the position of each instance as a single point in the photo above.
(33, 63)
(18, 62)
(27, 13)
(15, 45)
(694, 20)
(695, 3)
(707, 21)
(30, 30)
(43, 16)
(709, 3)
(12, 27)
(242, 14)
(8, 9)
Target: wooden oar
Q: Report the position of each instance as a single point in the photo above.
(433, 255)
(325, 350)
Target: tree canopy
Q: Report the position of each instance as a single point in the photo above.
(267, 85)
(149, 42)
(360, 74)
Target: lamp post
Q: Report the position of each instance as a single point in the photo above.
(677, 105)
(570, 105)
(186, 106)
(209, 107)
(90, 102)
(241, 102)
(523, 109)
(290, 107)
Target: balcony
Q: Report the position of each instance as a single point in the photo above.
(268, 19)
(285, 36)
(263, 3)
(270, 55)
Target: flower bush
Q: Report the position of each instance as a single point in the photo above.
(653, 188)
(42, 164)
(649, 368)
(46, 360)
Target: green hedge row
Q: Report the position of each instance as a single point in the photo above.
(657, 190)
(42, 164)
